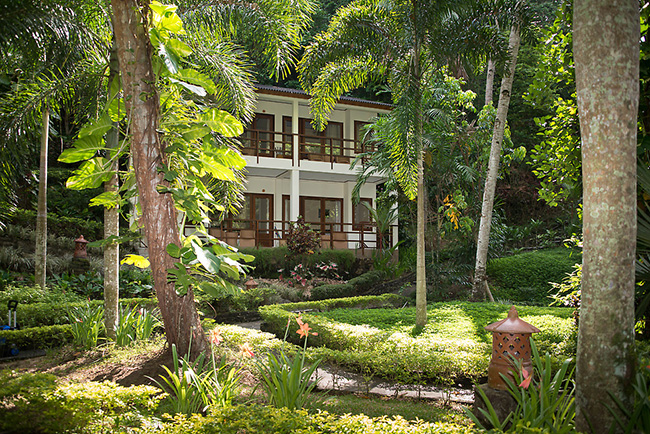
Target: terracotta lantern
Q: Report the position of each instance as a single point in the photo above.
(510, 340)
(250, 283)
(80, 247)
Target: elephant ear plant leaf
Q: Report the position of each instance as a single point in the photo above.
(286, 380)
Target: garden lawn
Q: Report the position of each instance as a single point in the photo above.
(453, 347)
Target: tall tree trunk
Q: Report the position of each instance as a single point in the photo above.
(182, 325)
(480, 278)
(40, 257)
(420, 269)
(606, 52)
(112, 221)
(489, 81)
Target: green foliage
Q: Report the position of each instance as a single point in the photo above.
(61, 226)
(50, 313)
(38, 337)
(268, 261)
(354, 286)
(336, 290)
(87, 325)
(194, 386)
(556, 160)
(637, 417)
(526, 277)
(89, 285)
(134, 325)
(262, 419)
(210, 268)
(25, 294)
(285, 379)
(367, 280)
(35, 403)
(301, 238)
(452, 347)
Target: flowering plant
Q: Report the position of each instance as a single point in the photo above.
(287, 381)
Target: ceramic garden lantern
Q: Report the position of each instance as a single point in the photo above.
(510, 340)
(250, 283)
(80, 247)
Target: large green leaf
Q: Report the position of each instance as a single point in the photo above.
(222, 122)
(107, 199)
(209, 260)
(216, 169)
(198, 90)
(136, 260)
(194, 132)
(195, 77)
(92, 174)
(83, 149)
(97, 128)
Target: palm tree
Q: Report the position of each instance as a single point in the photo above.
(402, 41)
(46, 43)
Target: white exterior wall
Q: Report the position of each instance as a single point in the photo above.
(294, 177)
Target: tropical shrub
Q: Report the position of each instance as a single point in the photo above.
(301, 238)
(262, 419)
(60, 226)
(35, 403)
(526, 277)
(268, 261)
(50, 313)
(38, 337)
(352, 288)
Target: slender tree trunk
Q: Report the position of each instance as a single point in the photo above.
(606, 52)
(182, 325)
(112, 222)
(420, 269)
(40, 257)
(489, 81)
(480, 278)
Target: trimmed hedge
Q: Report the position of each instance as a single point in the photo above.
(69, 227)
(354, 287)
(276, 316)
(37, 404)
(38, 337)
(45, 314)
(269, 260)
(524, 278)
(261, 419)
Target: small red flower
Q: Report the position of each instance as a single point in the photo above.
(526, 381)
(245, 350)
(304, 329)
(215, 336)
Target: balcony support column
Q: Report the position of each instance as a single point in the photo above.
(294, 194)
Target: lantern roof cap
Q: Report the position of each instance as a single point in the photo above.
(81, 239)
(512, 324)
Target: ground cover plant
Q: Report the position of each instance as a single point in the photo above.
(452, 348)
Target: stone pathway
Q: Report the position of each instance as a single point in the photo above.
(335, 378)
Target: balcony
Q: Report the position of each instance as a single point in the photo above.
(272, 144)
(360, 237)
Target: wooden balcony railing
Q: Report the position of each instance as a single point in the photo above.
(273, 144)
(361, 237)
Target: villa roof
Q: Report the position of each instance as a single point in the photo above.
(298, 93)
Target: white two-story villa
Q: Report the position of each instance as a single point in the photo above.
(294, 171)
